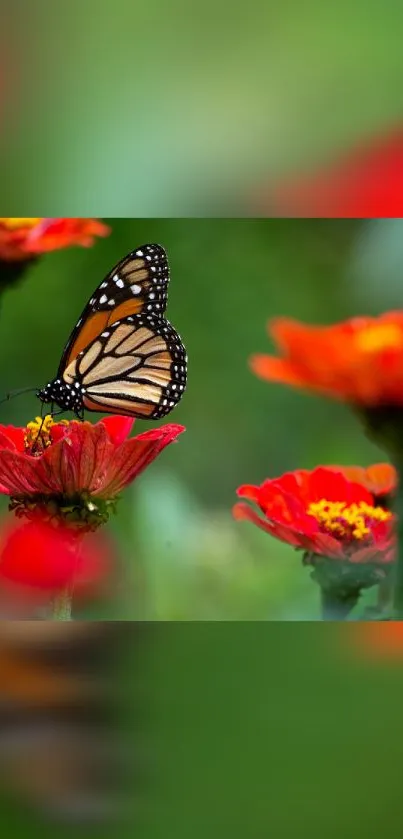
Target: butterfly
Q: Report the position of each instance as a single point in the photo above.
(123, 356)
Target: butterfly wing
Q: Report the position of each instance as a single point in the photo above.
(136, 366)
(137, 284)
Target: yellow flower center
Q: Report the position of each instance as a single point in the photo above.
(347, 521)
(37, 434)
(381, 336)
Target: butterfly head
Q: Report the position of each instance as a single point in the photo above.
(67, 397)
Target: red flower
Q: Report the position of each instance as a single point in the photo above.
(364, 183)
(322, 513)
(39, 561)
(81, 465)
(39, 556)
(24, 238)
(359, 360)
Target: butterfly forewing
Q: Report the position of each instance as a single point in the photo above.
(137, 367)
(137, 284)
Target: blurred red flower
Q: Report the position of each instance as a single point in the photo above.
(24, 238)
(359, 360)
(366, 182)
(323, 513)
(73, 462)
(36, 555)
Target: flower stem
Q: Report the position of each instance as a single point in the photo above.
(62, 605)
(398, 588)
(336, 607)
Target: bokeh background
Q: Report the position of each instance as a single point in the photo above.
(184, 557)
(171, 109)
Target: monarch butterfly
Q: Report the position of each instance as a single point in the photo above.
(123, 356)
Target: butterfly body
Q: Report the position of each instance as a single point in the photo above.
(123, 355)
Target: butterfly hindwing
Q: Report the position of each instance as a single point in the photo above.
(137, 366)
(137, 284)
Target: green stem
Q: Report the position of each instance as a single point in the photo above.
(398, 587)
(62, 605)
(337, 607)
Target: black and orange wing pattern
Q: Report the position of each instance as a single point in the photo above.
(137, 284)
(123, 355)
(136, 367)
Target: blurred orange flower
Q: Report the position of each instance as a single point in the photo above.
(366, 182)
(359, 360)
(379, 640)
(24, 238)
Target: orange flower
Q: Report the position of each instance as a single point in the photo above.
(24, 238)
(379, 640)
(359, 360)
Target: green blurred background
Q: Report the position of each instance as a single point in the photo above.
(184, 556)
(182, 109)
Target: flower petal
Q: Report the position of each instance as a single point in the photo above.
(134, 455)
(55, 233)
(276, 370)
(118, 428)
(284, 532)
(244, 512)
(379, 479)
(19, 474)
(12, 438)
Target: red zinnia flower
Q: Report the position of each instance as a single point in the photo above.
(323, 513)
(24, 238)
(74, 465)
(358, 361)
(364, 183)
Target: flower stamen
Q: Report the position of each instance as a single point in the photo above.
(348, 522)
(37, 435)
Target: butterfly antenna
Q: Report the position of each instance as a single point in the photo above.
(14, 393)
